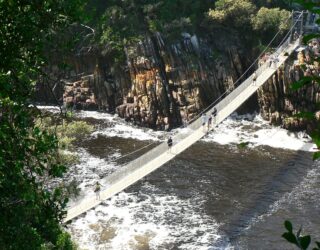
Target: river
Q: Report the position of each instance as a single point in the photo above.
(215, 195)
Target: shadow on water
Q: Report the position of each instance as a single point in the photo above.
(104, 147)
(234, 187)
(241, 185)
(286, 178)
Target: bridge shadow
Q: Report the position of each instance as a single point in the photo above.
(261, 205)
(241, 191)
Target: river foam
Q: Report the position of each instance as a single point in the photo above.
(252, 129)
(236, 129)
(126, 131)
(146, 219)
(149, 218)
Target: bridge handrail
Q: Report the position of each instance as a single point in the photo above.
(158, 150)
(228, 96)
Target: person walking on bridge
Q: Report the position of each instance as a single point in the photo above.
(254, 79)
(271, 59)
(97, 190)
(295, 35)
(210, 122)
(169, 142)
(275, 62)
(204, 119)
(214, 114)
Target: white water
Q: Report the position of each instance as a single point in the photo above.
(126, 131)
(234, 130)
(257, 132)
(142, 221)
(150, 219)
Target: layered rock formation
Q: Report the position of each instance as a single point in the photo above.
(164, 85)
(279, 103)
(79, 95)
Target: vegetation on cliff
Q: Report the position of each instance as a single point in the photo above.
(123, 23)
(158, 63)
(255, 22)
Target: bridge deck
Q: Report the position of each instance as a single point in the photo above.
(158, 156)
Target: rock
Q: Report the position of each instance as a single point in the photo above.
(85, 84)
(174, 80)
(69, 99)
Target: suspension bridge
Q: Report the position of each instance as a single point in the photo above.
(225, 105)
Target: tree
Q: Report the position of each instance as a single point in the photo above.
(287, 4)
(271, 20)
(236, 14)
(31, 210)
(268, 22)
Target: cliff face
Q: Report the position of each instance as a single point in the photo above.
(162, 85)
(279, 103)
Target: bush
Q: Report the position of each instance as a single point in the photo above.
(233, 13)
(270, 20)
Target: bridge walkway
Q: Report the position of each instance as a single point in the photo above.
(158, 156)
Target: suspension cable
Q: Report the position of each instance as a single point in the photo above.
(237, 81)
(227, 91)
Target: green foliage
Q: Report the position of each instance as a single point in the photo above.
(287, 4)
(237, 14)
(309, 37)
(64, 242)
(124, 23)
(67, 158)
(302, 242)
(67, 133)
(75, 129)
(243, 145)
(271, 20)
(31, 211)
(254, 22)
(28, 157)
(304, 81)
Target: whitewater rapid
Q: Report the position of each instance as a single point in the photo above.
(150, 218)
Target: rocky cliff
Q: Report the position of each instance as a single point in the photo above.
(162, 84)
(279, 103)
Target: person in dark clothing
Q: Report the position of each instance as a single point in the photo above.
(312, 18)
(210, 122)
(169, 142)
(214, 114)
(254, 79)
(97, 190)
